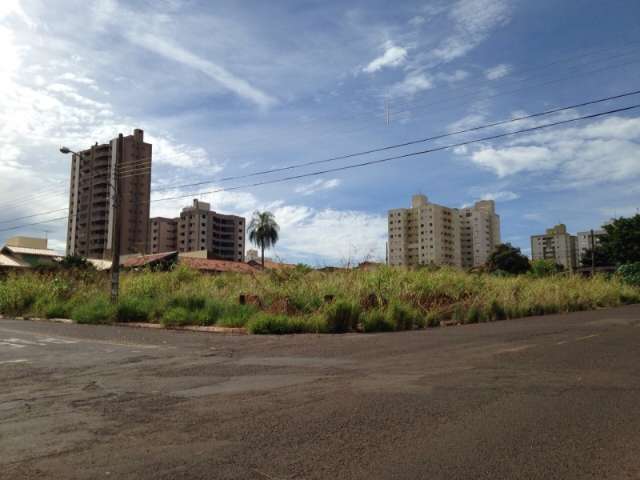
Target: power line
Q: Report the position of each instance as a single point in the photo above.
(375, 162)
(407, 155)
(405, 144)
(367, 152)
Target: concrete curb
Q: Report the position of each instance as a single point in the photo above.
(190, 328)
(157, 326)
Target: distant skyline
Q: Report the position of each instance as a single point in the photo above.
(225, 88)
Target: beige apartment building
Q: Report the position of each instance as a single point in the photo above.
(479, 233)
(199, 229)
(556, 245)
(428, 233)
(91, 198)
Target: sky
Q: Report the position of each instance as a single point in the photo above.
(228, 88)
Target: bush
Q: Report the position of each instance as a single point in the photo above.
(630, 273)
(403, 317)
(342, 316)
(135, 309)
(56, 310)
(544, 268)
(176, 317)
(376, 321)
(95, 311)
(236, 315)
(264, 323)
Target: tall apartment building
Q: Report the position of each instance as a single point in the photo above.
(479, 233)
(91, 202)
(199, 229)
(163, 235)
(428, 233)
(557, 245)
(584, 241)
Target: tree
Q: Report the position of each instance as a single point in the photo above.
(263, 231)
(507, 258)
(545, 268)
(75, 262)
(601, 258)
(621, 243)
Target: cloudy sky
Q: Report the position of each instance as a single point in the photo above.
(227, 88)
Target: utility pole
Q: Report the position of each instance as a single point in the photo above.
(115, 254)
(387, 112)
(593, 254)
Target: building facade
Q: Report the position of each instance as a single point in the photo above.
(94, 171)
(431, 234)
(556, 245)
(479, 233)
(199, 229)
(584, 242)
(163, 235)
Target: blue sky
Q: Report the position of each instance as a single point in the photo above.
(227, 88)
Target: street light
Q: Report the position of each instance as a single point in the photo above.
(66, 150)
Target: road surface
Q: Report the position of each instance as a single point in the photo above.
(538, 398)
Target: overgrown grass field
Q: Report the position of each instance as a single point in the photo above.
(301, 301)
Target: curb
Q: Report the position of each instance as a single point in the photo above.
(156, 326)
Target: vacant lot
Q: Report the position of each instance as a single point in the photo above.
(546, 397)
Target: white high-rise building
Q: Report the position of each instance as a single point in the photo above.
(428, 233)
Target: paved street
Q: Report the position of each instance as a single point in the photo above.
(539, 398)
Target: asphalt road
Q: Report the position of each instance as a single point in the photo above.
(539, 398)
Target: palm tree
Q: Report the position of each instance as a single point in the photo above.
(263, 231)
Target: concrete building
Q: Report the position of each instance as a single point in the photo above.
(424, 234)
(27, 252)
(163, 235)
(584, 241)
(557, 245)
(199, 229)
(91, 212)
(479, 233)
(428, 233)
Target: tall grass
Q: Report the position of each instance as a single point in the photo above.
(295, 301)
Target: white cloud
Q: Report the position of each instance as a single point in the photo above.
(603, 151)
(393, 56)
(411, 85)
(453, 77)
(417, 21)
(499, 71)
(354, 235)
(221, 75)
(500, 196)
(9, 8)
(473, 21)
(317, 185)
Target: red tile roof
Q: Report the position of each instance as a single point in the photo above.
(270, 265)
(144, 260)
(220, 266)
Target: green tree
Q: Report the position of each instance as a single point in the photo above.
(622, 240)
(545, 268)
(507, 258)
(263, 231)
(77, 262)
(601, 258)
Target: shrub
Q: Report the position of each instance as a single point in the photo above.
(630, 273)
(188, 302)
(264, 323)
(544, 268)
(135, 309)
(176, 317)
(56, 310)
(95, 311)
(236, 315)
(403, 317)
(376, 321)
(342, 316)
